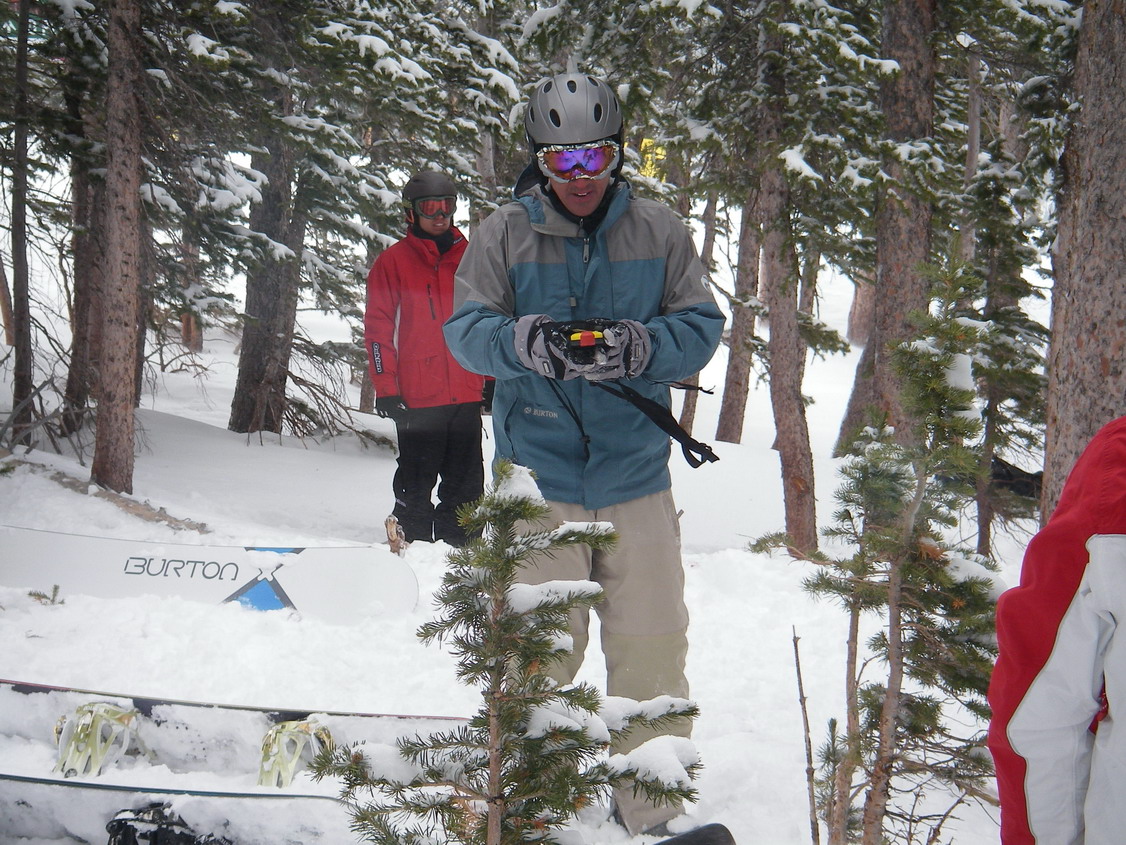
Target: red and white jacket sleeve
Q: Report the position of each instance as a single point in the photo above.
(1055, 633)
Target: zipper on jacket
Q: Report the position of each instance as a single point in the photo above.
(430, 299)
(586, 249)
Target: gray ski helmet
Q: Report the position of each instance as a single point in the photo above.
(428, 183)
(572, 108)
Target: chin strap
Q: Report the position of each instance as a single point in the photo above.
(695, 452)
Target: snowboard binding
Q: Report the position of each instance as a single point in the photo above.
(396, 537)
(155, 824)
(288, 748)
(94, 738)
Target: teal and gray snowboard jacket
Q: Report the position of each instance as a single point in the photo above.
(585, 445)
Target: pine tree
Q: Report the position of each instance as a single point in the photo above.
(534, 753)
(900, 499)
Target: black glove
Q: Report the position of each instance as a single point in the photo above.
(391, 407)
(487, 395)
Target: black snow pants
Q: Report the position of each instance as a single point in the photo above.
(443, 445)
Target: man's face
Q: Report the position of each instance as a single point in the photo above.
(434, 225)
(579, 173)
(581, 196)
(434, 214)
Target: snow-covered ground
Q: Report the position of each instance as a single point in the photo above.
(267, 490)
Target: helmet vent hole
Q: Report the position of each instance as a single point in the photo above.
(571, 86)
(598, 112)
(548, 86)
(553, 116)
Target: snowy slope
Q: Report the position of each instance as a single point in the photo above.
(277, 491)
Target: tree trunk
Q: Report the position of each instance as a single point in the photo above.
(862, 312)
(367, 389)
(487, 145)
(191, 329)
(879, 781)
(967, 237)
(487, 174)
(903, 217)
(737, 383)
(787, 365)
(691, 396)
(144, 318)
(886, 751)
(967, 250)
(86, 313)
(85, 119)
(23, 383)
(787, 349)
(997, 300)
(983, 489)
(271, 299)
(841, 801)
(6, 315)
(810, 270)
(145, 303)
(113, 447)
(708, 219)
(191, 332)
(1087, 357)
(367, 394)
(496, 803)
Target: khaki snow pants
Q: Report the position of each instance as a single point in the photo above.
(643, 617)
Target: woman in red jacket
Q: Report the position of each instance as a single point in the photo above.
(434, 402)
(1061, 673)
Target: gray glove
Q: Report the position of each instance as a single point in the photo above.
(627, 352)
(534, 351)
(622, 350)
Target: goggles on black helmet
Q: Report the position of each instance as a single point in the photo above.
(431, 207)
(568, 162)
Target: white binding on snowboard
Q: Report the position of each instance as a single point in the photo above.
(290, 747)
(93, 738)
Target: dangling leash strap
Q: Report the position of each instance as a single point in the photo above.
(570, 409)
(664, 420)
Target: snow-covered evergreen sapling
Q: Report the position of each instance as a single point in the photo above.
(535, 752)
(903, 745)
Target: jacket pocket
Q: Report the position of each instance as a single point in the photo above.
(544, 438)
(424, 381)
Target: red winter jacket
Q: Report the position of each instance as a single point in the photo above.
(1061, 668)
(410, 293)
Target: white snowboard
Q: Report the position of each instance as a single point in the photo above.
(342, 584)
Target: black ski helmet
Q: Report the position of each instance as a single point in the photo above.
(572, 108)
(428, 183)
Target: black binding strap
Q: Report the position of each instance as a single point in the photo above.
(664, 420)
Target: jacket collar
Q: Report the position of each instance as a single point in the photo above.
(546, 220)
(428, 250)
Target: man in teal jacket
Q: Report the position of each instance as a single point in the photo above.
(576, 246)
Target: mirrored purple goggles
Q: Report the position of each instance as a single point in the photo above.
(567, 162)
